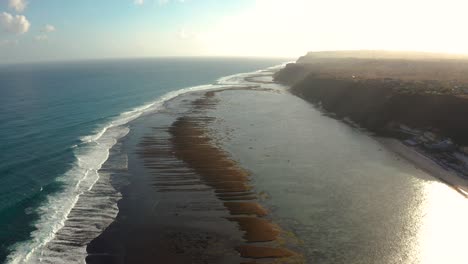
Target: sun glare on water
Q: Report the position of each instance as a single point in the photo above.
(440, 237)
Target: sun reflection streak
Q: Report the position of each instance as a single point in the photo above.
(442, 228)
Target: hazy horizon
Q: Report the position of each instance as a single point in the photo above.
(52, 30)
(162, 57)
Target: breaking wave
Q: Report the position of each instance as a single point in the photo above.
(87, 203)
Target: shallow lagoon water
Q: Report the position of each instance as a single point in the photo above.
(337, 189)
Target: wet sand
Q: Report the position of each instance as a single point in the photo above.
(201, 206)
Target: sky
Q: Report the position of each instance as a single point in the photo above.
(43, 30)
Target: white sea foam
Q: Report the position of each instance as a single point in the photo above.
(81, 200)
(234, 80)
(238, 80)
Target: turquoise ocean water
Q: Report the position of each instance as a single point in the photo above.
(59, 120)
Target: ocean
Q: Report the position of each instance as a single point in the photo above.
(58, 122)
(89, 171)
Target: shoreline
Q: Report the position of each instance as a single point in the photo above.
(420, 160)
(221, 213)
(49, 238)
(202, 208)
(200, 205)
(425, 163)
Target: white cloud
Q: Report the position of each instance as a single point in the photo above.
(41, 37)
(48, 28)
(139, 2)
(8, 42)
(17, 24)
(18, 5)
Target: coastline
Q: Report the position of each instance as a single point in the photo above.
(375, 94)
(187, 201)
(334, 186)
(190, 202)
(175, 210)
(417, 158)
(222, 215)
(426, 164)
(70, 219)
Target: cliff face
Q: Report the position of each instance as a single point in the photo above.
(292, 73)
(378, 103)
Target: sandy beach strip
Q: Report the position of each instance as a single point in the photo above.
(426, 164)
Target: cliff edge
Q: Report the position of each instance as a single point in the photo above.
(383, 91)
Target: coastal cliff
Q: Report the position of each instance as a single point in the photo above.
(381, 93)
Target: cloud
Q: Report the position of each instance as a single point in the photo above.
(41, 37)
(14, 24)
(139, 2)
(18, 5)
(8, 42)
(48, 28)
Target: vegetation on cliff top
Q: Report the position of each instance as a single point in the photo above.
(406, 72)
